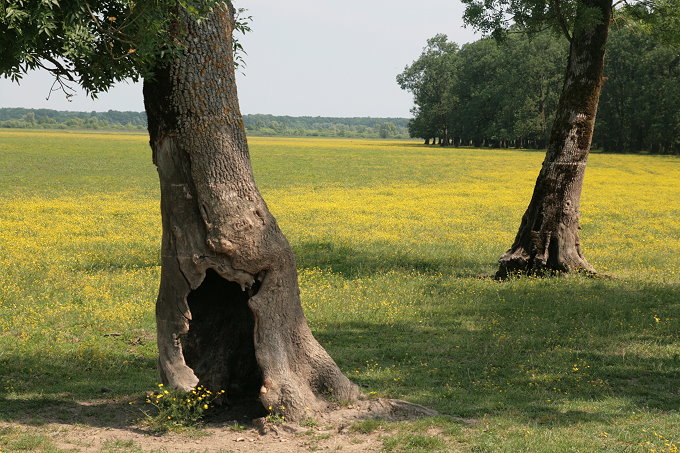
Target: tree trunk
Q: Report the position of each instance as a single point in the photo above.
(228, 311)
(548, 236)
(541, 107)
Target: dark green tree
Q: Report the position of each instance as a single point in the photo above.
(421, 126)
(660, 19)
(531, 85)
(477, 91)
(639, 106)
(507, 91)
(431, 79)
(495, 95)
(228, 311)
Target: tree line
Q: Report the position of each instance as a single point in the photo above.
(255, 124)
(505, 95)
(21, 118)
(319, 126)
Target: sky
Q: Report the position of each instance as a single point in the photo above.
(304, 58)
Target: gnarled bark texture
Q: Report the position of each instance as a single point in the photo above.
(228, 310)
(548, 237)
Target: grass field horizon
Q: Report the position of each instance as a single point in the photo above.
(395, 244)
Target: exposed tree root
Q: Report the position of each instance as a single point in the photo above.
(377, 409)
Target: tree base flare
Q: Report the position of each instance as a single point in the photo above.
(383, 409)
(520, 262)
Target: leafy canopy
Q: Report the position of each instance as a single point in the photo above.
(430, 78)
(495, 17)
(658, 18)
(499, 17)
(93, 42)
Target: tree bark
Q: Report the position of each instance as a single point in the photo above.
(228, 310)
(548, 238)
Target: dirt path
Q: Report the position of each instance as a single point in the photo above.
(211, 439)
(107, 426)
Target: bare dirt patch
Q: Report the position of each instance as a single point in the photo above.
(210, 439)
(117, 427)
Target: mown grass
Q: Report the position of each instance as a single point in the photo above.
(395, 243)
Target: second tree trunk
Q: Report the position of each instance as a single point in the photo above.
(548, 237)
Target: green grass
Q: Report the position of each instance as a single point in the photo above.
(366, 426)
(395, 243)
(414, 443)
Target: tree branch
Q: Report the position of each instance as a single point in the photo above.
(65, 88)
(560, 19)
(526, 32)
(59, 70)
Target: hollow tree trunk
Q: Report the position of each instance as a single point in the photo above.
(548, 236)
(228, 310)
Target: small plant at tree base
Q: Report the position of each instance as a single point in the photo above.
(309, 422)
(175, 409)
(237, 427)
(276, 415)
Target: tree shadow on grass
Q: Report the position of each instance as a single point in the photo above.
(475, 381)
(540, 358)
(351, 262)
(553, 352)
(97, 414)
(36, 389)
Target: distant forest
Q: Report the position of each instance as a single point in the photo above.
(20, 118)
(486, 94)
(267, 125)
(319, 126)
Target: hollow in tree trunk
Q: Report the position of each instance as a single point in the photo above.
(548, 237)
(228, 310)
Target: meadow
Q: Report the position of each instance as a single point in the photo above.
(395, 244)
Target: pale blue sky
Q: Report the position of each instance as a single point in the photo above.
(305, 57)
